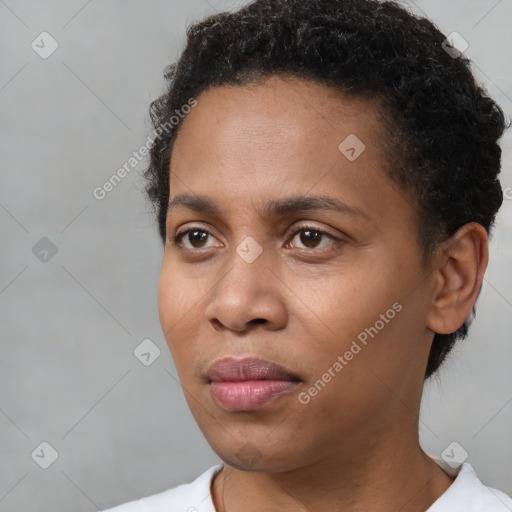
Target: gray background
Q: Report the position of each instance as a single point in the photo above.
(69, 326)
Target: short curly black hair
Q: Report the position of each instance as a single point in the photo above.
(441, 125)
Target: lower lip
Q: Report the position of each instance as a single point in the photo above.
(248, 395)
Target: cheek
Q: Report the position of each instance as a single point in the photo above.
(165, 299)
(173, 299)
(361, 314)
(343, 303)
(180, 303)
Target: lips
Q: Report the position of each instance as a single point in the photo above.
(231, 369)
(246, 384)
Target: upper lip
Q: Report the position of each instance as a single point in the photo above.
(232, 369)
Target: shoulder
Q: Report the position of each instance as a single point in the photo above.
(192, 497)
(468, 494)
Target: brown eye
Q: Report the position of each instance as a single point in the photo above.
(197, 238)
(194, 236)
(311, 237)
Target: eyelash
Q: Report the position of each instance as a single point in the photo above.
(177, 238)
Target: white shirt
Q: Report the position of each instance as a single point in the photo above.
(466, 494)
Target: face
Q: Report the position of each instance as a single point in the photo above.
(293, 299)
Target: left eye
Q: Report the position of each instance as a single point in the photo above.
(310, 237)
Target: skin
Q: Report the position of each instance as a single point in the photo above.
(301, 303)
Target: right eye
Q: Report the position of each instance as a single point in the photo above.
(194, 236)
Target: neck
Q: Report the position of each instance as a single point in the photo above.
(390, 477)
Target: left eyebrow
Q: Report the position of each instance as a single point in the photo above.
(273, 208)
(297, 204)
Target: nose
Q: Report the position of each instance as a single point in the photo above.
(247, 295)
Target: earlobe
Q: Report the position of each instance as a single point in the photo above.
(462, 261)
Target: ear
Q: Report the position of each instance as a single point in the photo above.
(458, 277)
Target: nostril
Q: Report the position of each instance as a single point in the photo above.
(258, 321)
(217, 326)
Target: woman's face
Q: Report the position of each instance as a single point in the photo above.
(340, 306)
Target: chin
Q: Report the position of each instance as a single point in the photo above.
(255, 457)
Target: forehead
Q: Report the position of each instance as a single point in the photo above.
(280, 111)
(278, 137)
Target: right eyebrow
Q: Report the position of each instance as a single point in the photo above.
(196, 203)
